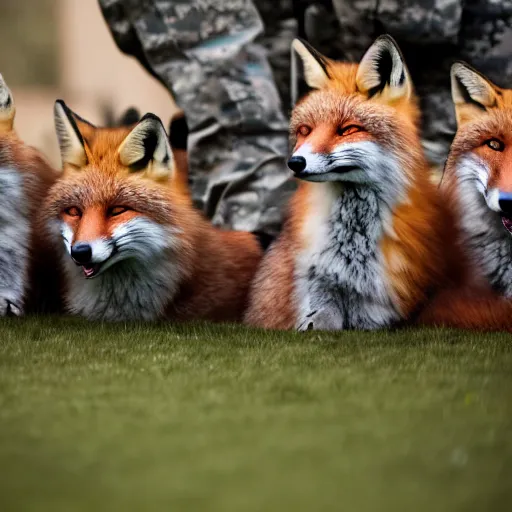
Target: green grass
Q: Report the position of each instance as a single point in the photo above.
(200, 417)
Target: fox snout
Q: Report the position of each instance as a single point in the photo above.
(81, 253)
(93, 256)
(297, 164)
(95, 251)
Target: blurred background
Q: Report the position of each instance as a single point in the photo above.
(53, 49)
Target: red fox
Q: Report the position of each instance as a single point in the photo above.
(134, 246)
(28, 274)
(477, 183)
(362, 245)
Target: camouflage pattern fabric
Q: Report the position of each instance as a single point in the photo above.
(205, 53)
(432, 35)
(217, 62)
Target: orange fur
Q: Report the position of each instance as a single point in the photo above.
(467, 301)
(414, 245)
(272, 303)
(468, 308)
(215, 266)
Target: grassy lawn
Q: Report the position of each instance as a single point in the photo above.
(104, 417)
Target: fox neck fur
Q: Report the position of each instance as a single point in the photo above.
(340, 277)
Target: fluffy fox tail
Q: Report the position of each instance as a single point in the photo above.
(482, 311)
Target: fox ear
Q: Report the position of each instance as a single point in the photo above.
(71, 142)
(472, 93)
(315, 64)
(147, 148)
(7, 109)
(382, 71)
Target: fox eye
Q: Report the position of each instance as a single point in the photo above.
(495, 144)
(348, 130)
(73, 211)
(117, 210)
(304, 130)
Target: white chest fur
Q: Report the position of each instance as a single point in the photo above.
(15, 237)
(130, 290)
(140, 279)
(340, 276)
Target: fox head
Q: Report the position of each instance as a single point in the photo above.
(359, 122)
(480, 158)
(117, 202)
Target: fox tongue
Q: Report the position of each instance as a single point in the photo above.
(89, 271)
(507, 223)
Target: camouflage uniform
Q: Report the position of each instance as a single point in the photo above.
(432, 35)
(205, 53)
(212, 56)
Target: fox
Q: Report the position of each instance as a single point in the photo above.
(29, 279)
(477, 182)
(133, 245)
(361, 247)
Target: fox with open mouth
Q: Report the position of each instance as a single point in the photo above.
(135, 246)
(477, 183)
(478, 173)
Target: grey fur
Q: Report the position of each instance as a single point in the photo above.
(340, 279)
(137, 282)
(485, 237)
(344, 285)
(14, 248)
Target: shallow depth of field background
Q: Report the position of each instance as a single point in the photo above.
(53, 49)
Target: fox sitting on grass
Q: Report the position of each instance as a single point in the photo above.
(28, 274)
(135, 247)
(477, 182)
(363, 243)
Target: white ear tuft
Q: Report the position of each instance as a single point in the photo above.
(315, 64)
(472, 93)
(147, 148)
(7, 109)
(469, 86)
(382, 71)
(71, 143)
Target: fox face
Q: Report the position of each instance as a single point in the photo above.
(121, 213)
(101, 232)
(108, 212)
(478, 173)
(359, 122)
(481, 155)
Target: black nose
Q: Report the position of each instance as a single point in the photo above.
(81, 253)
(297, 163)
(505, 202)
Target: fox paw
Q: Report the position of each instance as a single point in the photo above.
(307, 322)
(9, 307)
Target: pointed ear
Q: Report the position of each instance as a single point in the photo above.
(71, 142)
(472, 93)
(382, 72)
(7, 109)
(146, 148)
(315, 64)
